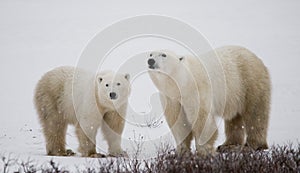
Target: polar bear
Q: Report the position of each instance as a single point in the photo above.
(191, 102)
(68, 96)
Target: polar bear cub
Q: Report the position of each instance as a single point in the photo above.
(68, 96)
(191, 102)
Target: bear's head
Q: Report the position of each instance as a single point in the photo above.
(167, 71)
(164, 61)
(113, 89)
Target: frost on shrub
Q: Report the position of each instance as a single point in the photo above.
(277, 159)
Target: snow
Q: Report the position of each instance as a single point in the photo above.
(36, 36)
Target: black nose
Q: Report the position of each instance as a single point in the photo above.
(151, 61)
(112, 95)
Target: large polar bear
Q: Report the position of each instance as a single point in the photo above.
(86, 101)
(191, 102)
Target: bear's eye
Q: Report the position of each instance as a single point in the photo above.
(106, 85)
(118, 84)
(151, 54)
(163, 55)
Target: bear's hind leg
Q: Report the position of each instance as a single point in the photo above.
(256, 123)
(55, 134)
(235, 134)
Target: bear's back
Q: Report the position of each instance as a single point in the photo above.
(244, 73)
(234, 71)
(49, 91)
(53, 81)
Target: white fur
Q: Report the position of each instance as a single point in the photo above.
(67, 95)
(225, 82)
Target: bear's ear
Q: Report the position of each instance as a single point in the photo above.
(100, 79)
(127, 76)
(181, 58)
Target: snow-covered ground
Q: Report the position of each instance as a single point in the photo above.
(36, 36)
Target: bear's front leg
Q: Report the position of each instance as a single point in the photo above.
(112, 128)
(204, 130)
(178, 123)
(87, 141)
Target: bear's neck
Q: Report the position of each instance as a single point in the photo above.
(174, 85)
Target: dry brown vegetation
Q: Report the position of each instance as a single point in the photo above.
(276, 159)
